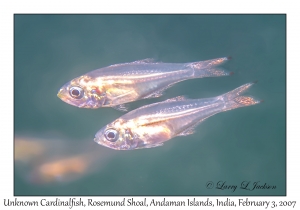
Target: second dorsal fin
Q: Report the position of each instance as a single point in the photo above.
(146, 60)
(177, 98)
(143, 61)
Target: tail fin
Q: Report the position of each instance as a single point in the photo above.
(209, 68)
(234, 99)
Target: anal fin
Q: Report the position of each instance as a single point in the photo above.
(158, 93)
(187, 131)
(190, 130)
(150, 146)
(121, 107)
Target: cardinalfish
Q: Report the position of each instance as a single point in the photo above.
(152, 125)
(118, 84)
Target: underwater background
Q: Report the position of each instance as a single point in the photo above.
(54, 149)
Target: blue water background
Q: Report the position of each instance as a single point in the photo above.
(247, 144)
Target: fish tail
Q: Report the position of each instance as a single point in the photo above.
(209, 68)
(234, 99)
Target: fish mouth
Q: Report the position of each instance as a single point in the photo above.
(60, 93)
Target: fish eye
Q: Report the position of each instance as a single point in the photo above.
(111, 135)
(76, 92)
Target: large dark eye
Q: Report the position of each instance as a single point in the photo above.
(76, 92)
(111, 135)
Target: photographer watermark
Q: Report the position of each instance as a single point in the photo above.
(244, 185)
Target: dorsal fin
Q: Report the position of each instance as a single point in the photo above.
(143, 61)
(147, 60)
(177, 98)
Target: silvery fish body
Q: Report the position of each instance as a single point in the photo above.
(115, 85)
(154, 124)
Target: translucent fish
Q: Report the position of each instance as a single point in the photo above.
(152, 125)
(115, 85)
